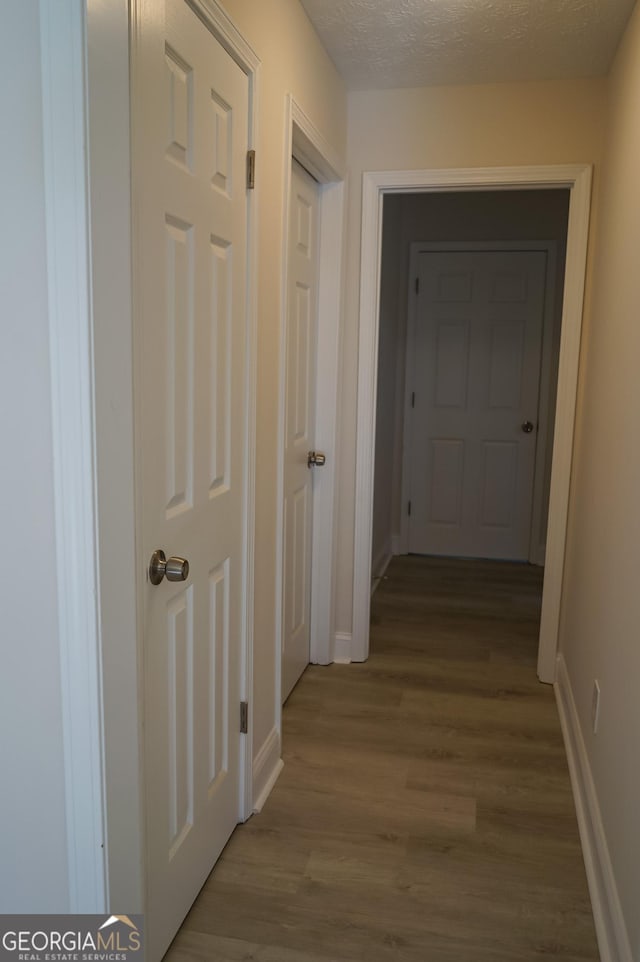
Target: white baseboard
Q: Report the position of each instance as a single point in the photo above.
(267, 765)
(342, 648)
(613, 939)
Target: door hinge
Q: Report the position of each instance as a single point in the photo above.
(417, 285)
(413, 399)
(251, 169)
(409, 509)
(244, 717)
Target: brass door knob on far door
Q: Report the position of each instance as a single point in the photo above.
(527, 427)
(315, 459)
(173, 569)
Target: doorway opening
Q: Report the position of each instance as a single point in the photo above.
(471, 293)
(377, 186)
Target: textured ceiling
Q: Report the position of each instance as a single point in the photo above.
(414, 43)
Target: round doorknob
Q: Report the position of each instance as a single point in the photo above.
(527, 427)
(316, 459)
(173, 569)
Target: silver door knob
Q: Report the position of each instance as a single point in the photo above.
(315, 459)
(527, 427)
(173, 569)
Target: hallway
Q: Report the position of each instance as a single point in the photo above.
(424, 813)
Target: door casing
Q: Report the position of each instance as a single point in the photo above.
(575, 178)
(536, 550)
(76, 307)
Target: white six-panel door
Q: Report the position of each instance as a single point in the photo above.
(474, 384)
(302, 297)
(190, 113)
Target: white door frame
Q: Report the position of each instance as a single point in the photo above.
(72, 316)
(86, 134)
(550, 248)
(305, 142)
(577, 179)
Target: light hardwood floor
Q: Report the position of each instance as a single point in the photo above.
(424, 812)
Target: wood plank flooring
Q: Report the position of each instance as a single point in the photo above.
(424, 813)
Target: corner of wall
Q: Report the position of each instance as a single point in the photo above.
(267, 766)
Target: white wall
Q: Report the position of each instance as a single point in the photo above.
(601, 603)
(472, 216)
(293, 61)
(482, 126)
(33, 867)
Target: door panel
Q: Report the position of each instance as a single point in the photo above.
(180, 688)
(475, 374)
(190, 112)
(446, 482)
(499, 479)
(506, 363)
(179, 279)
(452, 365)
(302, 296)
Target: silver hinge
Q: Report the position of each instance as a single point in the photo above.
(244, 717)
(251, 169)
(417, 285)
(413, 399)
(409, 509)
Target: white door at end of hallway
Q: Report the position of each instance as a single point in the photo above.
(190, 109)
(474, 381)
(300, 392)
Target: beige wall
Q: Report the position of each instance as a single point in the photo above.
(600, 632)
(491, 125)
(515, 215)
(293, 61)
